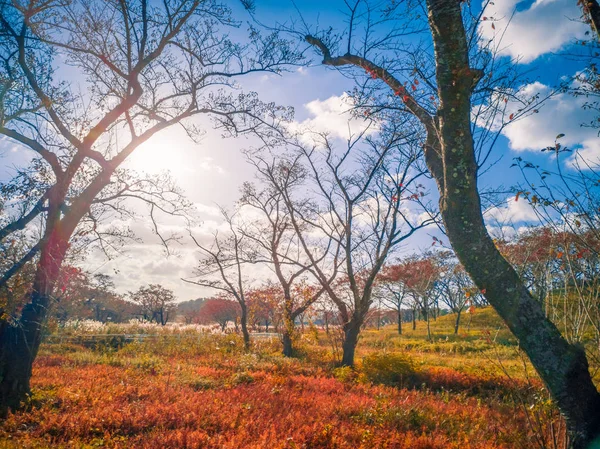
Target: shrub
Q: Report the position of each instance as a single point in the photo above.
(387, 368)
(241, 378)
(344, 374)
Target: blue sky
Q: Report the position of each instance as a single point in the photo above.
(211, 172)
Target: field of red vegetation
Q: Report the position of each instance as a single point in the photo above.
(212, 395)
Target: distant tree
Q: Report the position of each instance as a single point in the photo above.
(419, 275)
(190, 310)
(393, 291)
(264, 306)
(222, 265)
(219, 310)
(454, 286)
(156, 303)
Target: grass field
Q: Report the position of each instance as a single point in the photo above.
(473, 390)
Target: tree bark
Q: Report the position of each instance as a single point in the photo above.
(244, 325)
(288, 348)
(399, 321)
(351, 332)
(591, 9)
(563, 367)
(457, 322)
(19, 343)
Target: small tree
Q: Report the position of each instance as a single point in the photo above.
(156, 303)
(222, 266)
(264, 306)
(392, 291)
(276, 244)
(453, 285)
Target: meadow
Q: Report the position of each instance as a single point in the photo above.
(197, 389)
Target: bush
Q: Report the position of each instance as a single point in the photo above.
(387, 369)
(344, 374)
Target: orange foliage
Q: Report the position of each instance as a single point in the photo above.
(273, 406)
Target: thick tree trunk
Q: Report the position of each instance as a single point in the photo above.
(414, 319)
(351, 333)
(19, 344)
(15, 369)
(288, 347)
(591, 9)
(563, 367)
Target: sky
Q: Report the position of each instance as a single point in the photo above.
(535, 35)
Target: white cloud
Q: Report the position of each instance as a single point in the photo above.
(513, 211)
(546, 26)
(561, 113)
(333, 116)
(213, 211)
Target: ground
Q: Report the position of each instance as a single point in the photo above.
(474, 390)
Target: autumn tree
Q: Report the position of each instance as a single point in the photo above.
(220, 310)
(140, 67)
(393, 292)
(264, 306)
(442, 86)
(453, 285)
(156, 303)
(419, 275)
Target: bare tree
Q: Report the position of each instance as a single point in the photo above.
(276, 242)
(142, 67)
(222, 267)
(460, 79)
(360, 213)
(156, 303)
(454, 286)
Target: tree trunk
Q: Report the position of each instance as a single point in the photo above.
(350, 341)
(414, 319)
(457, 322)
(244, 325)
(288, 348)
(563, 367)
(15, 368)
(399, 321)
(428, 329)
(19, 344)
(591, 9)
